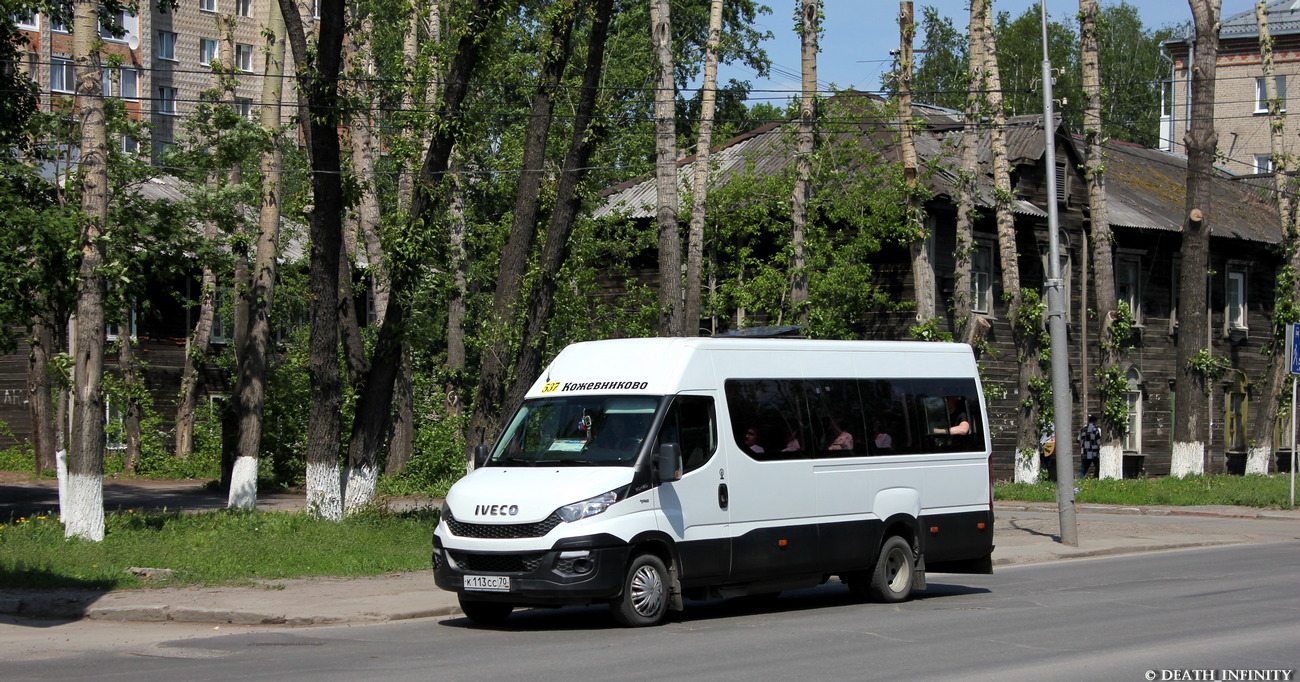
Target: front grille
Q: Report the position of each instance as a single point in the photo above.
(502, 531)
(496, 563)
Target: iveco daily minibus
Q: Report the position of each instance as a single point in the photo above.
(642, 472)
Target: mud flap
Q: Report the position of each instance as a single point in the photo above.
(918, 573)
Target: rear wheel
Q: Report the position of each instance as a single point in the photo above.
(645, 593)
(486, 612)
(891, 581)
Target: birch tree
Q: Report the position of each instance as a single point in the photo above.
(1194, 363)
(967, 173)
(700, 193)
(1024, 315)
(1287, 296)
(250, 382)
(1111, 379)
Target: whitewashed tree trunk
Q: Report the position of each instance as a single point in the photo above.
(1111, 464)
(1188, 458)
(324, 490)
(1027, 467)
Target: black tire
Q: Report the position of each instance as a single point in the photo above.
(644, 601)
(891, 581)
(486, 612)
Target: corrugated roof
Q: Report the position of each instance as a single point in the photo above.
(1145, 188)
(1283, 18)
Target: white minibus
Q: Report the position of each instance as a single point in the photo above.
(642, 472)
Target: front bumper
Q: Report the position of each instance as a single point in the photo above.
(577, 570)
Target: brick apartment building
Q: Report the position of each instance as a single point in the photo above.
(1241, 108)
(166, 58)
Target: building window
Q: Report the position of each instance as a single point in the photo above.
(108, 82)
(223, 325)
(981, 278)
(1261, 100)
(130, 145)
(124, 20)
(244, 8)
(1235, 413)
(1234, 294)
(209, 51)
(167, 101)
(244, 58)
(244, 107)
(128, 84)
(27, 21)
(58, 26)
(207, 5)
(1132, 439)
(1175, 281)
(63, 75)
(165, 47)
(1166, 98)
(1128, 271)
(1263, 163)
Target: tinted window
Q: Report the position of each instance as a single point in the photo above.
(823, 418)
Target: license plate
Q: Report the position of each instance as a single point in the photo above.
(488, 583)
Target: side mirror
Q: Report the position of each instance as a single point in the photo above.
(481, 453)
(668, 462)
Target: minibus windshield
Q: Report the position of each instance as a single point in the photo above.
(577, 431)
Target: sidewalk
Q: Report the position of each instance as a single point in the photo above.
(1024, 533)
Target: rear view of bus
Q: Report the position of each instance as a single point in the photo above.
(642, 473)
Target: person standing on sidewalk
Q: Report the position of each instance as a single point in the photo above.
(1089, 446)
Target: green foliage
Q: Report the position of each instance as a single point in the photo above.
(930, 330)
(1121, 329)
(1211, 367)
(17, 457)
(1270, 491)
(212, 548)
(1113, 387)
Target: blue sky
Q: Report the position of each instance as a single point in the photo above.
(860, 33)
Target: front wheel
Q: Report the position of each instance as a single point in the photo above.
(486, 612)
(645, 593)
(891, 581)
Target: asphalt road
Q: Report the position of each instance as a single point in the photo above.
(1115, 618)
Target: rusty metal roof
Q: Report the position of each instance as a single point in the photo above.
(1145, 188)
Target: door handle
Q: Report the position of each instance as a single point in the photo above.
(723, 500)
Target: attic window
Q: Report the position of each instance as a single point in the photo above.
(1062, 183)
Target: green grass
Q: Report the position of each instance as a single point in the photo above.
(1271, 491)
(212, 548)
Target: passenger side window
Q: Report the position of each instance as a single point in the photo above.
(691, 423)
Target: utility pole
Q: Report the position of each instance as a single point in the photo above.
(1056, 318)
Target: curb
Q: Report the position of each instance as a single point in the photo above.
(1110, 551)
(56, 607)
(1050, 507)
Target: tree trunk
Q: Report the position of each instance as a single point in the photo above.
(670, 240)
(132, 386)
(699, 198)
(1191, 433)
(567, 205)
(374, 406)
(1262, 445)
(1111, 462)
(494, 368)
(250, 384)
(1024, 331)
(196, 352)
(922, 267)
(808, 13)
(963, 301)
(320, 106)
(83, 515)
(40, 396)
(457, 227)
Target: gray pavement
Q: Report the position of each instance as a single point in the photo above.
(1024, 533)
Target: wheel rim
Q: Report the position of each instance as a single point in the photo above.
(647, 590)
(897, 569)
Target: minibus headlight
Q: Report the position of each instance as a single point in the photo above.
(589, 507)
